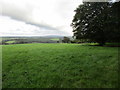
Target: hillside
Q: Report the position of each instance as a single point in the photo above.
(59, 66)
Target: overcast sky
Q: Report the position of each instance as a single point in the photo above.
(36, 17)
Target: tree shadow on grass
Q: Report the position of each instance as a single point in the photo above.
(103, 45)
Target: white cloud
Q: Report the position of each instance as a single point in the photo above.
(20, 28)
(47, 14)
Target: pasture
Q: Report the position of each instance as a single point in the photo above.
(21, 40)
(59, 66)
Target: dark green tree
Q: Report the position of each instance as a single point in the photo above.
(93, 21)
(66, 40)
(114, 23)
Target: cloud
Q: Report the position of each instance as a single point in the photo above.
(15, 9)
(20, 28)
(52, 15)
(22, 11)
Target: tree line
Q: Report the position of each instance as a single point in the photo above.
(97, 22)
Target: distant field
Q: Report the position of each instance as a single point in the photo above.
(21, 40)
(55, 39)
(59, 66)
(10, 41)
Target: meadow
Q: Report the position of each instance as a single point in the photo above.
(59, 66)
(21, 40)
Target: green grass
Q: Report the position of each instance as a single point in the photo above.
(59, 66)
(0, 66)
(55, 39)
(113, 44)
(0, 39)
(9, 42)
(92, 44)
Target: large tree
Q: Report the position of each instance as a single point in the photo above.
(93, 21)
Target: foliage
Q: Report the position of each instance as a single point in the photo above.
(66, 40)
(95, 21)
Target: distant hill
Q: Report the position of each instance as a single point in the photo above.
(48, 36)
(31, 39)
(56, 36)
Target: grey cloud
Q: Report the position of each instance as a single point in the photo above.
(117, 0)
(14, 11)
(22, 14)
(42, 26)
(45, 26)
(49, 32)
(97, 0)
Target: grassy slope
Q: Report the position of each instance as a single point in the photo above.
(0, 66)
(55, 39)
(9, 42)
(59, 65)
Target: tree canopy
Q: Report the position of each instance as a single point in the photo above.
(97, 22)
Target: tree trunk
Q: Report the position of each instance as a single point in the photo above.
(102, 43)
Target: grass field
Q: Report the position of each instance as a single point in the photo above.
(21, 40)
(55, 39)
(9, 42)
(59, 66)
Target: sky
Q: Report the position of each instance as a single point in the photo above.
(37, 17)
